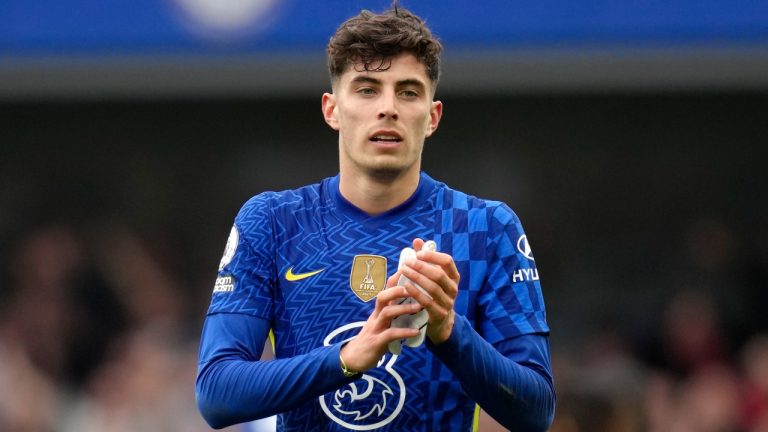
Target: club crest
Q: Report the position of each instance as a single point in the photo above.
(368, 276)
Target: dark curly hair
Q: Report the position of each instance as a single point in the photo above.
(370, 40)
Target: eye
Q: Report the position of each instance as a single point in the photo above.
(409, 93)
(366, 91)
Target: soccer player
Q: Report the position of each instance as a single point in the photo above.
(318, 267)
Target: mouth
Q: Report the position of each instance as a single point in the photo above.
(386, 137)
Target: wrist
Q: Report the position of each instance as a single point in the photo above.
(349, 373)
(443, 333)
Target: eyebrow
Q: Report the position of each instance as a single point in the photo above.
(360, 79)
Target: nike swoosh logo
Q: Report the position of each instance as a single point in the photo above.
(291, 277)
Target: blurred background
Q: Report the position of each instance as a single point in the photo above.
(630, 137)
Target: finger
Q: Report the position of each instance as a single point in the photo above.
(385, 297)
(423, 299)
(443, 260)
(418, 244)
(431, 279)
(397, 333)
(437, 311)
(392, 280)
(432, 272)
(392, 311)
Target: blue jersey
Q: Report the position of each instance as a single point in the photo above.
(311, 264)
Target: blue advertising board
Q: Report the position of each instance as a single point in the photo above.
(62, 27)
(130, 48)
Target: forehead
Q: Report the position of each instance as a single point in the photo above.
(403, 66)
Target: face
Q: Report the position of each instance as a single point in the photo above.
(383, 117)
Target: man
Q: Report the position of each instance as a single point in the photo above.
(311, 264)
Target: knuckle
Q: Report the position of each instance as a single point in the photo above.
(386, 313)
(391, 312)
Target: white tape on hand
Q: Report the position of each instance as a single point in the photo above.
(417, 320)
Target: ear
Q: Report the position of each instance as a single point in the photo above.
(435, 113)
(329, 110)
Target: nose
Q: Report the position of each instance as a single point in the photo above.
(388, 107)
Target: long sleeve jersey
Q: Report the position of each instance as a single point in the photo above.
(308, 265)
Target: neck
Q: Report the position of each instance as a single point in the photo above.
(375, 195)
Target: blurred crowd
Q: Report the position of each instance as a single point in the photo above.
(97, 333)
(701, 366)
(695, 385)
(94, 336)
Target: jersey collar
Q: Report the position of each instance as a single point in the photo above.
(419, 196)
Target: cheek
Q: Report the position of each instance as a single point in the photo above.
(424, 117)
(349, 116)
(423, 124)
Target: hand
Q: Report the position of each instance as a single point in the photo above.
(366, 349)
(437, 274)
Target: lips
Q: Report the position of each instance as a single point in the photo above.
(386, 137)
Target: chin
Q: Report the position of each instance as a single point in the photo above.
(386, 173)
(384, 167)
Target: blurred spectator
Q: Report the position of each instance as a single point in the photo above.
(755, 364)
(692, 370)
(145, 385)
(690, 337)
(91, 336)
(141, 278)
(59, 311)
(709, 401)
(714, 263)
(693, 336)
(602, 392)
(28, 399)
